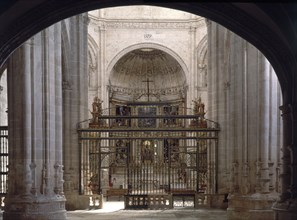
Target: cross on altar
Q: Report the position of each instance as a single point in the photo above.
(148, 88)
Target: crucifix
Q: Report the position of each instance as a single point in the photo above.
(148, 88)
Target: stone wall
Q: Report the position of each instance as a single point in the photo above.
(115, 32)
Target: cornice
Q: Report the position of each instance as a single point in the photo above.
(147, 23)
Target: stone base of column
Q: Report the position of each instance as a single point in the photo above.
(77, 202)
(251, 207)
(285, 210)
(34, 208)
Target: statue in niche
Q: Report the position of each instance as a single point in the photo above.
(199, 110)
(147, 152)
(121, 151)
(199, 107)
(203, 74)
(97, 109)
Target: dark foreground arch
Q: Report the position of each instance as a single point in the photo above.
(270, 27)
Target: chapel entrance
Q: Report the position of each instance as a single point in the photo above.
(151, 154)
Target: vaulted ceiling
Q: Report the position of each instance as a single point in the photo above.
(137, 66)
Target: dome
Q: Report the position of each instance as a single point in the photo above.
(135, 68)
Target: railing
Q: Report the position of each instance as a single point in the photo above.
(3, 162)
(161, 122)
(148, 201)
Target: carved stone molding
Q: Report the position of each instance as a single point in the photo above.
(154, 24)
(92, 68)
(131, 91)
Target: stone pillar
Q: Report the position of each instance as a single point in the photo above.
(245, 166)
(264, 124)
(218, 89)
(239, 86)
(93, 65)
(192, 94)
(34, 91)
(75, 96)
(286, 207)
(57, 59)
(103, 78)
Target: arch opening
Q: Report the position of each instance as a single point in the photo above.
(117, 79)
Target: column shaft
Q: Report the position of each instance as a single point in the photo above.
(35, 134)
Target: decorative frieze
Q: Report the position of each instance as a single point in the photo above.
(147, 24)
(138, 91)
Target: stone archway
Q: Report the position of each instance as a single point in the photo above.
(275, 48)
(234, 16)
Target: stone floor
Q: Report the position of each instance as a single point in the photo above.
(114, 210)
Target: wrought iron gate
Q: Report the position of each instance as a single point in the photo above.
(157, 166)
(3, 162)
